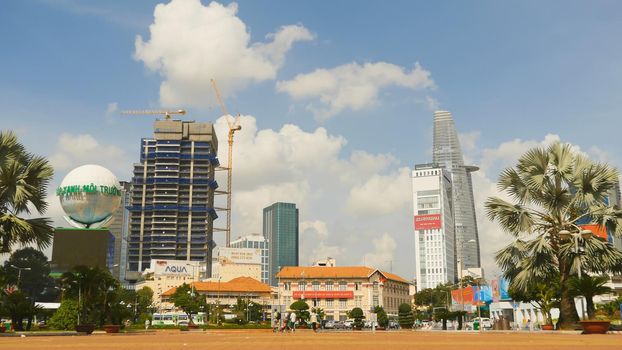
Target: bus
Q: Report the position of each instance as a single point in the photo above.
(177, 319)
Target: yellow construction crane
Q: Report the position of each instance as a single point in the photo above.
(164, 112)
(234, 125)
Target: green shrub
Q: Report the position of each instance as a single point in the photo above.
(66, 317)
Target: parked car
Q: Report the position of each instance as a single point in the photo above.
(329, 324)
(393, 324)
(484, 323)
(349, 323)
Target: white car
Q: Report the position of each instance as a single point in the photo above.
(484, 323)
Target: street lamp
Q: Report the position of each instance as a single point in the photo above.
(19, 273)
(193, 277)
(459, 265)
(218, 304)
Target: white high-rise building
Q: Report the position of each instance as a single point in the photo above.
(255, 241)
(435, 258)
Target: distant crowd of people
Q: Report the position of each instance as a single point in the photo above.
(286, 322)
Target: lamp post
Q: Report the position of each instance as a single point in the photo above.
(459, 265)
(19, 273)
(218, 304)
(193, 279)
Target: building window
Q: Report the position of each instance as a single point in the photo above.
(358, 301)
(329, 303)
(375, 301)
(329, 285)
(301, 285)
(343, 285)
(343, 303)
(357, 285)
(287, 286)
(316, 285)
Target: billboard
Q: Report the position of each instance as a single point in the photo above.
(324, 294)
(174, 267)
(240, 255)
(89, 247)
(598, 230)
(428, 222)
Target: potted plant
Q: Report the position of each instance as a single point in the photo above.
(598, 325)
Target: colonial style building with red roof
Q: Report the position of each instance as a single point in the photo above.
(338, 290)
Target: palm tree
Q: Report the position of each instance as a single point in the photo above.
(91, 287)
(553, 190)
(24, 178)
(589, 287)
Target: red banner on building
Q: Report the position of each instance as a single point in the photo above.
(463, 296)
(324, 294)
(427, 222)
(597, 230)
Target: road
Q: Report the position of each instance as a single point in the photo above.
(306, 339)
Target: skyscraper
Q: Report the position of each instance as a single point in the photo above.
(434, 226)
(280, 228)
(173, 194)
(446, 152)
(119, 229)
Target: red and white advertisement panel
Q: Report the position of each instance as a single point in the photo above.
(597, 230)
(324, 294)
(428, 222)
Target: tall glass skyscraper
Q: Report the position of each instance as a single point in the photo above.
(172, 199)
(280, 228)
(446, 152)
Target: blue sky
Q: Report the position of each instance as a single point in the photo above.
(510, 72)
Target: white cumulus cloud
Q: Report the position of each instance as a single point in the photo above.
(352, 86)
(191, 43)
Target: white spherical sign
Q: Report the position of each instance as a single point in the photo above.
(89, 195)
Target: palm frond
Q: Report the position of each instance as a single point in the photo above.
(513, 218)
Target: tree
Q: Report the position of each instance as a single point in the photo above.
(381, 315)
(144, 297)
(24, 179)
(91, 287)
(33, 282)
(545, 295)
(19, 307)
(300, 307)
(405, 316)
(66, 317)
(552, 192)
(358, 316)
(320, 313)
(589, 287)
(188, 301)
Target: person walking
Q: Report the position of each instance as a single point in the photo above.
(276, 321)
(292, 321)
(285, 325)
(313, 320)
(147, 323)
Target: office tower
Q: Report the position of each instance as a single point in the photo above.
(280, 228)
(255, 241)
(446, 152)
(434, 226)
(173, 194)
(119, 229)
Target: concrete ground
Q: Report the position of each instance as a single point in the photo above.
(306, 339)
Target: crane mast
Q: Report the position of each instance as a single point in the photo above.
(233, 127)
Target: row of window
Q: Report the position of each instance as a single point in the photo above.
(328, 285)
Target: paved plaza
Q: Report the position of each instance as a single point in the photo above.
(305, 339)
